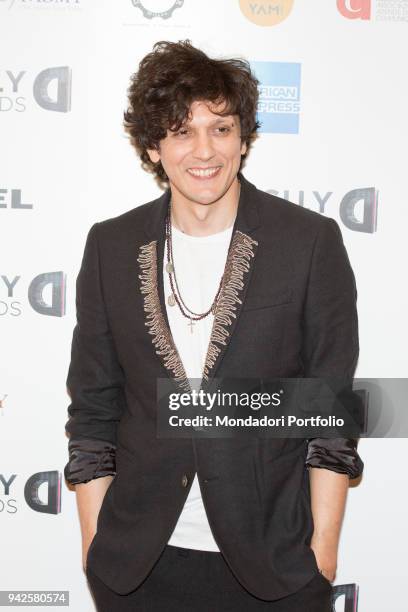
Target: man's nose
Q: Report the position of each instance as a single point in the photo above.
(203, 147)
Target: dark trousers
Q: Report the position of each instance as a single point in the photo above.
(199, 581)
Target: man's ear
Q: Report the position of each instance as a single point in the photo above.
(244, 148)
(154, 155)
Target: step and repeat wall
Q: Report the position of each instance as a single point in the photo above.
(333, 100)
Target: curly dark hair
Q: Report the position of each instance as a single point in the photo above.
(170, 78)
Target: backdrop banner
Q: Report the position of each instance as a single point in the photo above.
(332, 106)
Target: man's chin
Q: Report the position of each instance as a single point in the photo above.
(205, 195)
(205, 198)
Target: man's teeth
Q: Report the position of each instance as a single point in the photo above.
(203, 172)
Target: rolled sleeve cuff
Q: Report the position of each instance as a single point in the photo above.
(89, 459)
(336, 454)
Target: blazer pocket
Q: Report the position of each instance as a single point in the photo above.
(259, 300)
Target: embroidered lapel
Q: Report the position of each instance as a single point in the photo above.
(232, 296)
(238, 268)
(155, 321)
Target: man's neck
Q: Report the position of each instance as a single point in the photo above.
(197, 219)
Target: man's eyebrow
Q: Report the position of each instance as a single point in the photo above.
(223, 119)
(228, 119)
(218, 121)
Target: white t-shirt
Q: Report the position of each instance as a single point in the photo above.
(199, 262)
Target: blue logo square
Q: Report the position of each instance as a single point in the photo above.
(279, 96)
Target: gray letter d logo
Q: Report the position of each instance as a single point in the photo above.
(35, 294)
(369, 197)
(31, 489)
(40, 89)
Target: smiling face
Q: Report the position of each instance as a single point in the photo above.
(203, 157)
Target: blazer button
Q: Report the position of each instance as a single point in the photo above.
(184, 480)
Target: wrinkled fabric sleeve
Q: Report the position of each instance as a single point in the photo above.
(331, 342)
(89, 459)
(336, 454)
(95, 378)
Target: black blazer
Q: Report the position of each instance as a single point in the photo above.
(288, 309)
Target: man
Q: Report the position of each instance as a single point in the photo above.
(214, 278)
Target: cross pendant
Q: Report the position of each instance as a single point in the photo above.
(191, 325)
